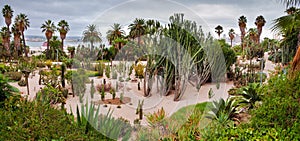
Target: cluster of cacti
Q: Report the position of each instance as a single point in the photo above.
(139, 109)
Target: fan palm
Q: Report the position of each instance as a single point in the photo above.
(49, 28)
(92, 35)
(17, 39)
(23, 23)
(231, 35)
(259, 22)
(5, 39)
(242, 21)
(63, 30)
(288, 24)
(7, 14)
(219, 30)
(137, 29)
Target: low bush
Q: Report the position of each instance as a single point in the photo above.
(15, 76)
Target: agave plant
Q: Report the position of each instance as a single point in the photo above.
(222, 111)
(87, 117)
(250, 95)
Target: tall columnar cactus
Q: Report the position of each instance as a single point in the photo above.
(139, 109)
(63, 69)
(117, 86)
(92, 89)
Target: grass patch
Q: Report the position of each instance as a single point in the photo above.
(182, 114)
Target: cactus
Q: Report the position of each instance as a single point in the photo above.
(139, 86)
(63, 69)
(117, 86)
(139, 109)
(113, 93)
(102, 94)
(92, 89)
(121, 97)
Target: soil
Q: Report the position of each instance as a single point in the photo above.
(115, 101)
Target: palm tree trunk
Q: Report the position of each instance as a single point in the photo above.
(231, 42)
(24, 45)
(48, 50)
(62, 44)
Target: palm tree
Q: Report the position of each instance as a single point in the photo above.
(291, 10)
(114, 33)
(23, 23)
(92, 35)
(137, 29)
(291, 2)
(219, 30)
(242, 24)
(231, 35)
(288, 25)
(259, 22)
(5, 39)
(253, 35)
(63, 30)
(17, 39)
(49, 28)
(7, 14)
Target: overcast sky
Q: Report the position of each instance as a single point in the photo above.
(103, 13)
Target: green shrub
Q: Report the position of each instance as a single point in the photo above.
(15, 76)
(35, 121)
(100, 68)
(139, 70)
(6, 90)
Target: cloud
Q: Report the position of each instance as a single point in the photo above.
(104, 13)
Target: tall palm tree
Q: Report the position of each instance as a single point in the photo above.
(219, 30)
(49, 28)
(114, 33)
(92, 35)
(259, 22)
(63, 30)
(137, 29)
(231, 35)
(242, 21)
(23, 23)
(5, 39)
(7, 14)
(17, 39)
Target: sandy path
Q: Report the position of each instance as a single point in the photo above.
(151, 104)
